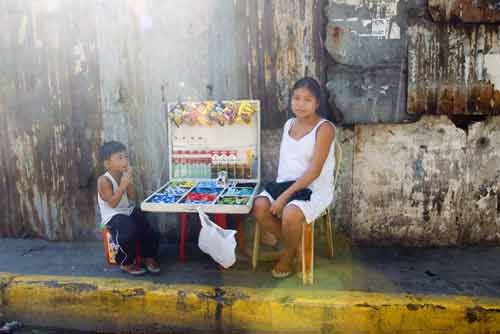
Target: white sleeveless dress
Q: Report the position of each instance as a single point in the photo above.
(123, 207)
(295, 158)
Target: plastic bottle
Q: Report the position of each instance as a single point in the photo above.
(194, 164)
(189, 166)
(213, 173)
(205, 165)
(181, 164)
(175, 168)
(215, 164)
(199, 168)
(254, 166)
(249, 162)
(224, 160)
(206, 168)
(232, 164)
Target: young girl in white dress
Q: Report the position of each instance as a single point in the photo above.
(307, 159)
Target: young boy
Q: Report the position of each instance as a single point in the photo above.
(116, 196)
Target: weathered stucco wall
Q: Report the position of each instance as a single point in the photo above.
(482, 208)
(408, 183)
(426, 184)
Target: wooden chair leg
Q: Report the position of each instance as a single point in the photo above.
(256, 246)
(329, 232)
(307, 250)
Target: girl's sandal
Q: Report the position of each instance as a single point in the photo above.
(279, 274)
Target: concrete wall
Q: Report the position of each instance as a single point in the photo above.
(433, 181)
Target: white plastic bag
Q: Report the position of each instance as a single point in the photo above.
(217, 242)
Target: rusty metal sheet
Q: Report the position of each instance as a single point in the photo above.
(369, 95)
(367, 40)
(466, 11)
(454, 69)
(408, 183)
(368, 33)
(283, 43)
(52, 122)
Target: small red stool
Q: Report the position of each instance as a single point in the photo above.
(111, 249)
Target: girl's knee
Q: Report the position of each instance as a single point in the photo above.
(293, 217)
(261, 207)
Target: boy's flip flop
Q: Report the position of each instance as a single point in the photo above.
(277, 274)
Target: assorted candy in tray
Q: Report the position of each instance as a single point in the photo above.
(238, 192)
(210, 113)
(177, 191)
(167, 199)
(202, 195)
(182, 184)
(203, 192)
(232, 200)
(206, 184)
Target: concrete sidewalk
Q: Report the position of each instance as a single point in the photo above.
(363, 290)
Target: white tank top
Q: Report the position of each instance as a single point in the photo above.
(296, 157)
(123, 207)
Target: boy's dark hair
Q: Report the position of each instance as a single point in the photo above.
(314, 87)
(109, 148)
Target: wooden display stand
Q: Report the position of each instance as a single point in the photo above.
(203, 141)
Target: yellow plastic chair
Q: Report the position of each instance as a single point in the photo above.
(306, 250)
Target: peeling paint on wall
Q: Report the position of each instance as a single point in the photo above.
(408, 183)
(453, 69)
(480, 221)
(52, 129)
(466, 11)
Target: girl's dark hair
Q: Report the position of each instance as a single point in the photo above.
(109, 148)
(314, 87)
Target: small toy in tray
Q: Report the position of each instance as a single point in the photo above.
(233, 200)
(245, 185)
(238, 192)
(164, 198)
(182, 184)
(206, 184)
(175, 191)
(202, 195)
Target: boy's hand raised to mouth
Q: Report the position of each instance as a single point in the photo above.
(127, 178)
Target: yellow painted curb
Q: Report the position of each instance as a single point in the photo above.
(87, 303)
